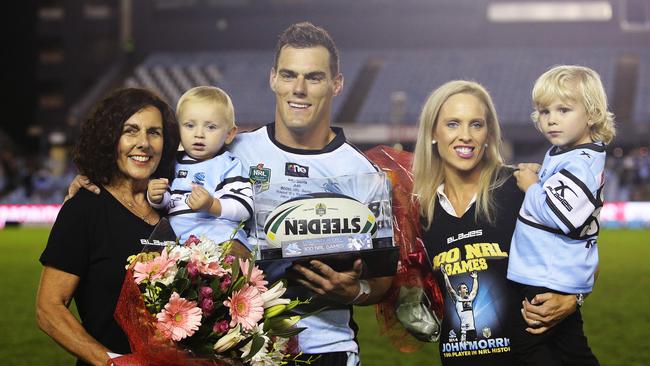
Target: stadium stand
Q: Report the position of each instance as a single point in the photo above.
(243, 74)
(642, 101)
(508, 73)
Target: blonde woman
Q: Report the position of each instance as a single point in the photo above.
(468, 205)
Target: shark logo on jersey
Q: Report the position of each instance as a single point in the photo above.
(260, 177)
(199, 178)
(332, 187)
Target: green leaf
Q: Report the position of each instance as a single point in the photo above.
(237, 284)
(256, 346)
(180, 284)
(190, 294)
(182, 273)
(235, 269)
(285, 333)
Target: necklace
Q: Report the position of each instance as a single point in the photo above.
(131, 206)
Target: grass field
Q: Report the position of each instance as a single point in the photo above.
(616, 320)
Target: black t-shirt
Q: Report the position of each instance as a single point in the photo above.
(474, 329)
(92, 237)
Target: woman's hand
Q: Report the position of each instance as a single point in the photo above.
(546, 310)
(54, 295)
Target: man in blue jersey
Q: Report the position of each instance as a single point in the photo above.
(301, 145)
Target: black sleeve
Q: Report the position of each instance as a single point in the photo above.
(68, 245)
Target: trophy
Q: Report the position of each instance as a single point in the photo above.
(336, 220)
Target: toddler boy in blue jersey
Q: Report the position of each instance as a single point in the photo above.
(209, 195)
(554, 244)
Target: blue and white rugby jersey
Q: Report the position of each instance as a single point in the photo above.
(554, 243)
(224, 176)
(305, 171)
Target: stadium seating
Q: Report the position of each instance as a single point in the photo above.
(642, 101)
(508, 73)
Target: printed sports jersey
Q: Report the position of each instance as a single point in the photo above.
(475, 328)
(465, 313)
(269, 162)
(222, 175)
(554, 244)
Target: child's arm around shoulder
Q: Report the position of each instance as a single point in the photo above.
(566, 199)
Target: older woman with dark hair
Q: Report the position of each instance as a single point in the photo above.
(129, 138)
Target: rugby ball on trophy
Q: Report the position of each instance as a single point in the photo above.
(318, 215)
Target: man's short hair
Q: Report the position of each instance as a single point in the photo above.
(461, 285)
(306, 35)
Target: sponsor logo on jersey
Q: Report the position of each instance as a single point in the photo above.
(296, 170)
(199, 178)
(260, 177)
(469, 234)
(181, 174)
(560, 196)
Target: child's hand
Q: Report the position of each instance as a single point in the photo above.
(200, 199)
(525, 176)
(156, 189)
(530, 166)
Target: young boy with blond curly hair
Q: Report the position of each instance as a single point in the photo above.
(554, 244)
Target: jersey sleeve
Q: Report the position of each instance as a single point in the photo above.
(566, 200)
(67, 247)
(236, 188)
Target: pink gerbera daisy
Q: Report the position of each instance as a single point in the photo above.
(179, 319)
(246, 307)
(154, 269)
(257, 276)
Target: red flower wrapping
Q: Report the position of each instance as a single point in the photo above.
(148, 347)
(414, 269)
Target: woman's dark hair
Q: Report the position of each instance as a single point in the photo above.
(95, 153)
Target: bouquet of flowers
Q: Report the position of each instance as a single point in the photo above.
(195, 304)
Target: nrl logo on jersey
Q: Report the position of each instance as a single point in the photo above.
(182, 174)
(260, 177)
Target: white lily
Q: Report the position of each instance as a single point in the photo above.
(228, 341)
(272, 296)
